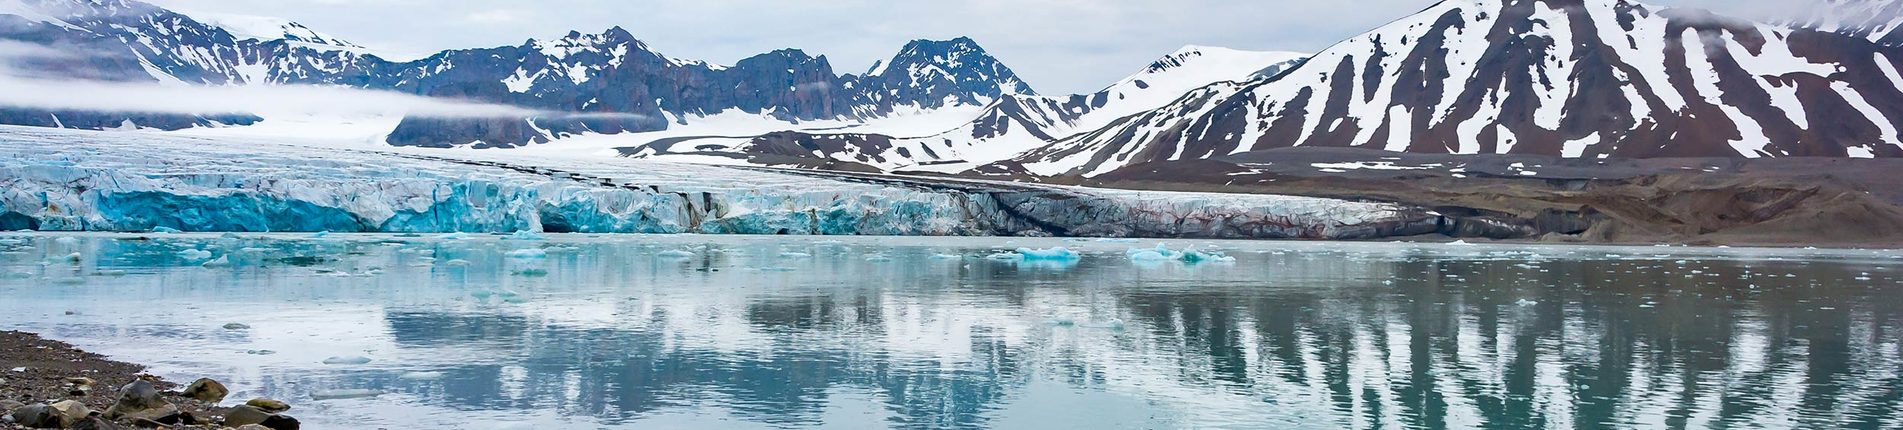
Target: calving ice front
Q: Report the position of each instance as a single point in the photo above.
(1491, 214)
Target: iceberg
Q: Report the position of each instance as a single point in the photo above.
(1187, 255)
(72, 180)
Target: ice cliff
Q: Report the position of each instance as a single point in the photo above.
(65, 180)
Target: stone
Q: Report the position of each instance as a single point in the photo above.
(138, 396)
(253, 427)
(95, 423)
(36, 415)
(164, 413)
(207, 390)
(269, 405)
(237, 326)
(8, 405)
(80, 380)
(69, 412)
(241, 415)
(281, 422)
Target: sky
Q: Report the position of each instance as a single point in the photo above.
(1058, 46)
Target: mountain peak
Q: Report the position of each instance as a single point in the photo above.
(960, 70)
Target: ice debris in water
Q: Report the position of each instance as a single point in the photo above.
(165, 230)
(677, 253)
(320, 235)
(453, 236)
(457, 262)
(527, 235)
(795, 255)
(1459, 243)
(74, 257)
(66, 240)
(344, 394)
(946, 257)
(1187, 255)
(194, 254)
(348, 359)
(222, 261)
(876, 258)
(528, 254)
(530, 272)
(421, 376)
(1028, 254)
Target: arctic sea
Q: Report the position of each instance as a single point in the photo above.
(689, 331)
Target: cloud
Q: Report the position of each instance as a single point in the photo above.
(497, 16)
(262, 100)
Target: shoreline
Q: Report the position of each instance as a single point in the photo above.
(1410, 240)
(47, 383)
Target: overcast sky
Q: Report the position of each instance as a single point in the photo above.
(1059, 46)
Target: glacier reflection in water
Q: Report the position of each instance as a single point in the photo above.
(771, 332)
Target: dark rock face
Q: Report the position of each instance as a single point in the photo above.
(933, 74)
(1574, 78)
(587, 83)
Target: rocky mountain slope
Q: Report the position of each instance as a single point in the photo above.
(1015, 123)
(1573, 78)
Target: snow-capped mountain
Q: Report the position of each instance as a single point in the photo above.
(932, 74)
(1015, 123)
(1877, 20)
(1574, 78)
(604, 83)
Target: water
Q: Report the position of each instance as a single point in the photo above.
(788, 332)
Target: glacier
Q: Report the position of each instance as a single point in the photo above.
(73, 180)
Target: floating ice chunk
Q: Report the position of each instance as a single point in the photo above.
(222, 261)
(347, 360)
(74, 257)
(320, 235)
(1054, 254)
(66, 240)
(946, 257)
(526, 235)
(795, 255)
(875, 258)
(454, 236)
(344, 394)
(1005, 256)
(422, 376)
(529, 254)
(1187, 255)
(1118, 240)
(457, 262)
(677, 254)
(1459, 243)
(1525, 302)
(194, 254)
(165, 230)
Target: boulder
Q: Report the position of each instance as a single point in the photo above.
(241, 415)
(69, 412)
(253, 427)
(94, 422)
(269, 405)
(281, 422)
(164, 413)
(139, 395)
(36, 415)
(207, 390)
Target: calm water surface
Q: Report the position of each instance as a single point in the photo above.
(767, 332)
